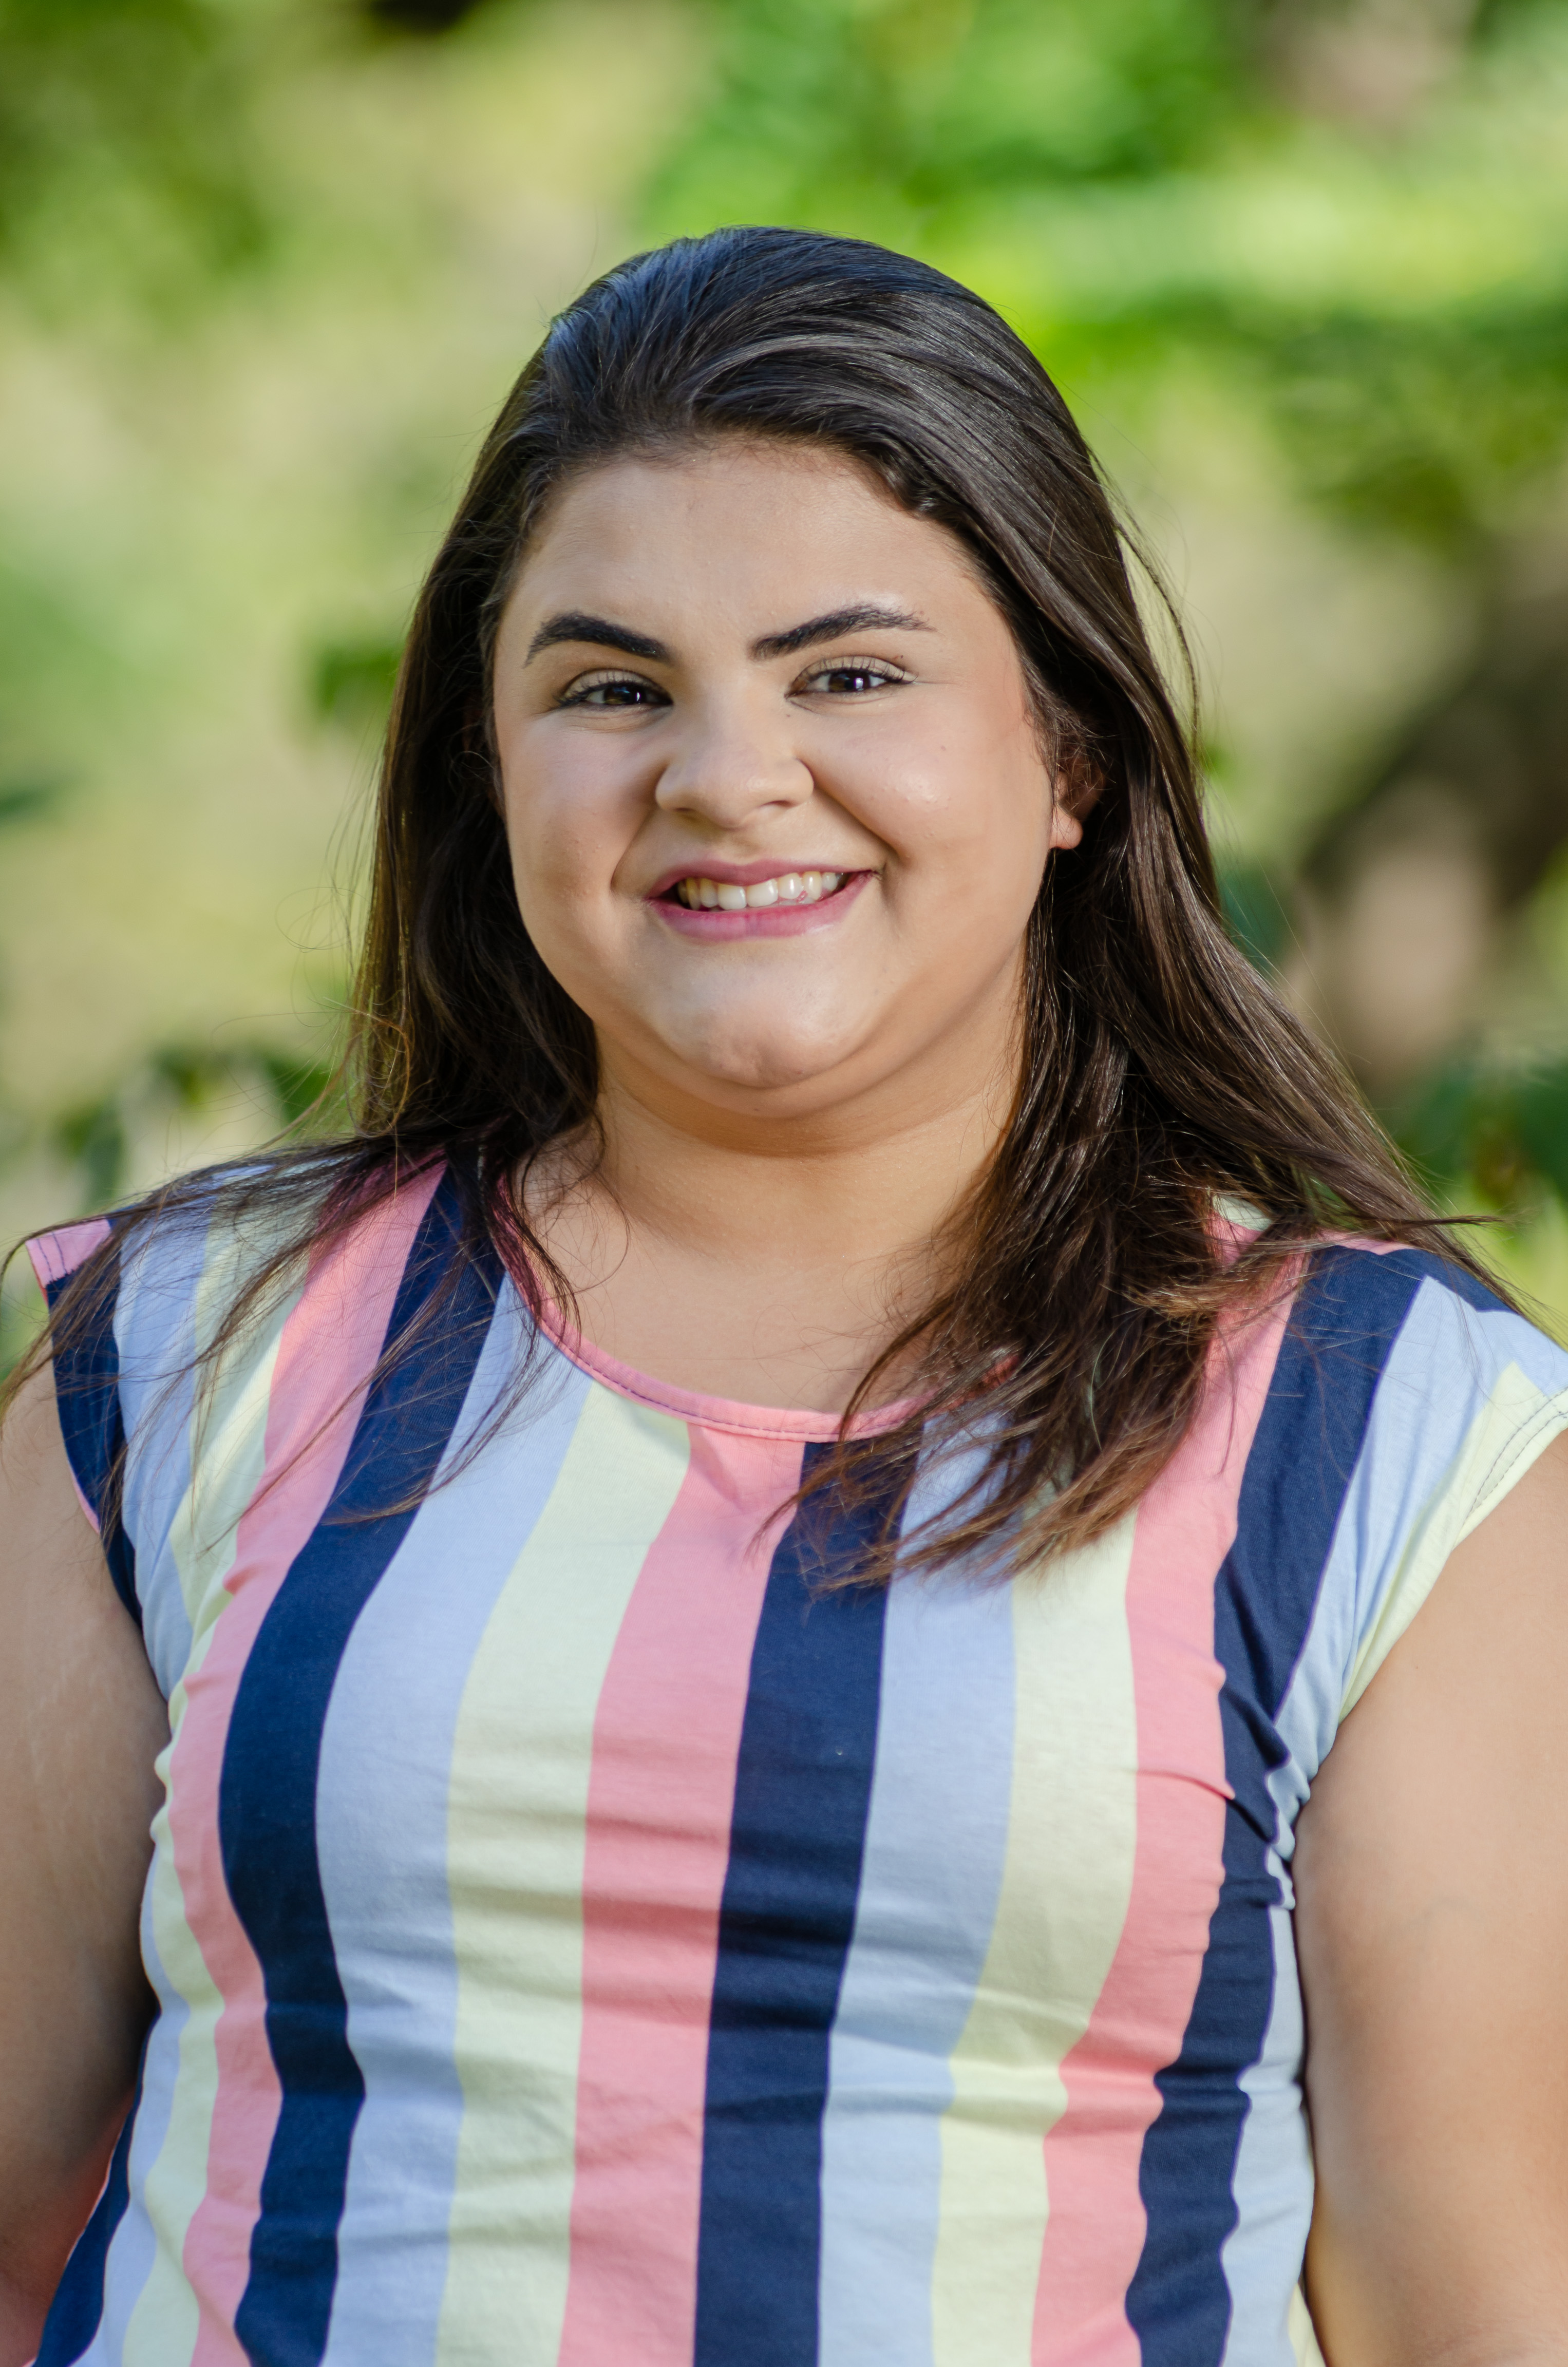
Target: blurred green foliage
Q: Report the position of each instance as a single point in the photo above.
(126, 146)
(96, 1138)
(1381, 259)
(1258, 913)
(351, 681)
(1504, 1130)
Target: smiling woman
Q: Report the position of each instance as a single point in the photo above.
(738, 1604)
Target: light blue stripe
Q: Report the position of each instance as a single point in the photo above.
(133, 2244)
(154, 1328)
(1273, 2177)
(1441, 1374)
(381, 1828)
(936, 1840)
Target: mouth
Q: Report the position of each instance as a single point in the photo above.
(767, 904)
(700, 894)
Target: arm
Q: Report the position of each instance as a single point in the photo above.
(1432, 1924)
(81, 1724)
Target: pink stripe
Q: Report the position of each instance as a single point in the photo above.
(661, 1795)
(327, 1350)
(1186, 1527)
(54, 1255)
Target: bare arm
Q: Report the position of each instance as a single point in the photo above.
(1433, 1929)
(81, 1724)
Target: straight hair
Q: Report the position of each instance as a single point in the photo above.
(1159, 1073)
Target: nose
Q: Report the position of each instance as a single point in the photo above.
(730, 768)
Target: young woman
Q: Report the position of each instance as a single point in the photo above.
(758, 1624)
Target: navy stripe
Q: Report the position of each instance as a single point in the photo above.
(77, 2311)
(267, 1796)
(87, 1389)
(1320, 1399)
(1420, 1265)
(803, 1791)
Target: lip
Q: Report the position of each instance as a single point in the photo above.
(766, 920)
(744, 874)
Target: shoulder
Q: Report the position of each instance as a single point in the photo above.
(1405, 1399)
(1419, 1357)
(203, 1342)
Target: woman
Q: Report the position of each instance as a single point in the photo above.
(736, 1598)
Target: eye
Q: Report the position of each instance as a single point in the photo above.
(612, 690)
(852, 677)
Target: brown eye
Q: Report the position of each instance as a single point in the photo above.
(613, 691)
(851, 681)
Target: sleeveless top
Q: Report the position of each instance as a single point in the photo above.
(581, 1941)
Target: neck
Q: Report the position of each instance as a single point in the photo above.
(767, 1260)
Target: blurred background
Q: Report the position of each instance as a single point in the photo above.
(268, 267)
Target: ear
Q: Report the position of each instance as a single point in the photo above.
(1076, 784)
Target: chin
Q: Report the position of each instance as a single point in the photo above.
(767, 1065)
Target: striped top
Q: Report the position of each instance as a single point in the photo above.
(580, 1943)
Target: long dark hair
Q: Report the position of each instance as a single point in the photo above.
(1158, 1070)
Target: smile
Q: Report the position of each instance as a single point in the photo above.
(784, 904)
(785, 888)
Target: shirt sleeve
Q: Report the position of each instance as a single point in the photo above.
(1470, 1395)
(88, 1390)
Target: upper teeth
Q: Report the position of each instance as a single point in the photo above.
(789, 888)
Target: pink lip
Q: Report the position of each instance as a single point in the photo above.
(738, 874)
(766, 920)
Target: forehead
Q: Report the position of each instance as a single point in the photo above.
(767, 532)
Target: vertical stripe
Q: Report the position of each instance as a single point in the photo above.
(1184, 1529)
(936, 1845)
(154, 1322)
(1305, 1447)
(660, 1797)
(267, 1797)
(77, 2308)
(803, 1788)
(171, 2179)
(329, 1345)
(1273, 2177)
(199, 1448)
(1065, 1884)
(87, 1391)
(517, 1826)
(1304, 2339)
(213, 1472)
(134, 2248)
(381, 1837)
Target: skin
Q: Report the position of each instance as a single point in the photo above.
(1433, 1931)
(792, 1123)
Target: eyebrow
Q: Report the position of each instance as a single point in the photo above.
(865, 618)
(575, 625)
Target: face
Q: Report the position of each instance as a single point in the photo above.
(776, 800)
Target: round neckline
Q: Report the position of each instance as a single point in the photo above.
(787, 1422)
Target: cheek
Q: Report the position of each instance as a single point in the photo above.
(567, 826)
(962, 806)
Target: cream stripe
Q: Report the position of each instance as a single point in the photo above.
(1065, 1886)
(517, 1817)
(1515, 1425)
(228, 1457)
(1304, 2339)
(228, 1426)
